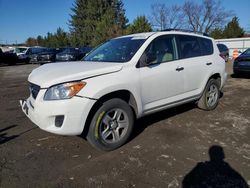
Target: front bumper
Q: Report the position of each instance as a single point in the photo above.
(44, 113)
(241, 69)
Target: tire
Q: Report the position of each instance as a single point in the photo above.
(210, 97)
(111, 125)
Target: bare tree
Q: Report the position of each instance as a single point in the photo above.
(206, 16)
(166, 17)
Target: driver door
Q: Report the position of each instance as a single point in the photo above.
(161, 77)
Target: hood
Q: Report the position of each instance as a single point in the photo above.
(56, 73)
(243, 57)
(65, 53)
(47, 53)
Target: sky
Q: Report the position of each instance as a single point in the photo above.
(20, 19)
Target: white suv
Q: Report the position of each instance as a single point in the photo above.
(125, 78)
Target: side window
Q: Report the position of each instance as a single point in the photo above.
(160, 50)
(207, 46)
(189, 46)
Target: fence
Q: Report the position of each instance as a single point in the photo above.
(241, 44)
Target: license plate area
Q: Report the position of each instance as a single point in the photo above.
(25, 107)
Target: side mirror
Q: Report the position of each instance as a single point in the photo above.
(239, 52)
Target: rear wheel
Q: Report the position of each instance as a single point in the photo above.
(210, 97)
(111, 125)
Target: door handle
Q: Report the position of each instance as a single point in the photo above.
(210, 63)
(179, 69)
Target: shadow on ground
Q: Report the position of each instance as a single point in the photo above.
(215, 173)
(149, 120)
(245, 76)
(5, 137)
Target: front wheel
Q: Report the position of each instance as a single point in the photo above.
(210, 97)
(111, 125)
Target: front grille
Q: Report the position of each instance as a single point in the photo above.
(34, 90)
(43, 58)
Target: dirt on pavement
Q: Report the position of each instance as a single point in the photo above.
(178, 147)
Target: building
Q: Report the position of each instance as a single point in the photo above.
(241, 44)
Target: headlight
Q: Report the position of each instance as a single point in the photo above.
(70, 56)
(64, 91)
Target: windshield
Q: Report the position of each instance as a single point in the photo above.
(50, 50)
(20, 50)
(116, 50)
(247, 52)
(37, 50)
(69, 50)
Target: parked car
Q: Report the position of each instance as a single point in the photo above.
(123, 79)
(20, 50)
(31, 54)
(49, 55)
(69, 54)
(84, 51)
(242, 63)
(224, 51)
(8, 58)
(72, 54)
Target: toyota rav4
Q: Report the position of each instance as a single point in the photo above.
(123, 79)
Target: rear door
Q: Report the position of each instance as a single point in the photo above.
(196, 56)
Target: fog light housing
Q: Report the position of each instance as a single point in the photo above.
(59, 120)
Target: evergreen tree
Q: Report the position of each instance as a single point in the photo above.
(60, 38)
(217, 33)
(31, 41)
(94, 22)
(233, 29)
(40, 40)
(139, 25)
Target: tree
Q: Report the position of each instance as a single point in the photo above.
(52, 40)
(61, 38)
(233, 29)
(87, 24)
(164, 17)
(112, 23)
(206, 16)
(31, 41)
(40, 40)
(217, 33)
(139, 25)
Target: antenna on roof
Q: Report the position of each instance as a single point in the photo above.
(186, 30)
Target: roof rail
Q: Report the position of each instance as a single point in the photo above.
(186, 30)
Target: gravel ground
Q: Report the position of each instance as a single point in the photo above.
(179, 147)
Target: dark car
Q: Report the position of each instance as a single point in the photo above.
(8, 58)
(49, 55)
(84, 51)
(32, 53)
(72, 54)
(242, 63)
(224, 51)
